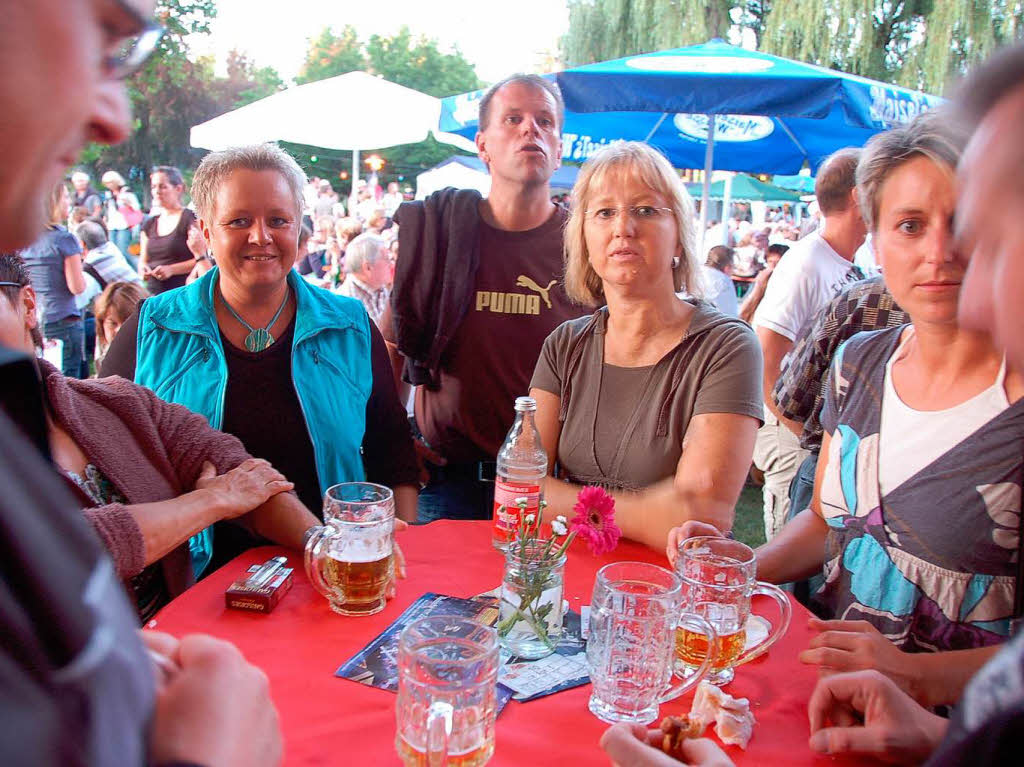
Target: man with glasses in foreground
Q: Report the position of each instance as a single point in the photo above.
(76, 684)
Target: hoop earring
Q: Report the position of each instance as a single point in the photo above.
(675, 262)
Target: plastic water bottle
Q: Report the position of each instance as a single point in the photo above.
(522, 466)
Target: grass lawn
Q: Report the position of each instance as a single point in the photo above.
(749, 523)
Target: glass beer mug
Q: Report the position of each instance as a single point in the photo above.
(447, 690)
(634, 614)
(350, 559)
(718, 576)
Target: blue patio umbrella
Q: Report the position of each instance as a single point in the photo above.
(764, 113)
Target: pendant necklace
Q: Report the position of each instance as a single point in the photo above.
(258, 338)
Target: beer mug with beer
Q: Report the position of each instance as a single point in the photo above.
(447, 690)
(634, 614)
(718, 576)
(350, 559)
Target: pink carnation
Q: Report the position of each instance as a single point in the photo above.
(595, 520)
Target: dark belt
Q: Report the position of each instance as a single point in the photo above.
(482, 471)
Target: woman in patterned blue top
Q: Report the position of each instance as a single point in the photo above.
(918, 494)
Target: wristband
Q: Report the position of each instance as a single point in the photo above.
(308, 534)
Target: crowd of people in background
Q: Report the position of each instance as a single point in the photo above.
(106, 243)
(346, 245)
(259, 291)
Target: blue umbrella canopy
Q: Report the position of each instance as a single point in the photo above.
(770, 114)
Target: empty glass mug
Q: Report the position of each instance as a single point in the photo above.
(447, 688)
(634, 612)
(719, 578)
(350, 559)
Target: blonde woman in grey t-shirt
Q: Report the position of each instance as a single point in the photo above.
(654, 397)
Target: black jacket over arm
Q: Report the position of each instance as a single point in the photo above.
(438, 254)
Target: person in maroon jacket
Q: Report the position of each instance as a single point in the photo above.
(76, 684)
(150, 474)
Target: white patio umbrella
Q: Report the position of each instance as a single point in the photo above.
(352, 111)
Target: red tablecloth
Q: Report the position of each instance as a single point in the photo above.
(332, 721)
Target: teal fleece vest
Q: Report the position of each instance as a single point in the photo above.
(181, 358)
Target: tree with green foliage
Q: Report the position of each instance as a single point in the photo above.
(609, 29)
(246, 83)
(420, 65)
(332, 54)
(173, 92)
(168, 96)
(918, 43)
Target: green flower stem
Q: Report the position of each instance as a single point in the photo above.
(538, 627)
(529, 610)
(565, 545)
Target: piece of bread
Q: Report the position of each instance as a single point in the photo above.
(676, 729)
(732, 717)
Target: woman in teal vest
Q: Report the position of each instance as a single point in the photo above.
(299, 375)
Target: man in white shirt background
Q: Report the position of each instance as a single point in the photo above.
(814, 270)
(718, 280)
(392, 199)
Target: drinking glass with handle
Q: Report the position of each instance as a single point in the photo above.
(634, 613)
(447, 692)
(350, 559)
(719, 580)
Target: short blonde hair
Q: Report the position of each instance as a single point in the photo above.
(581, 281)
(217, 166)
(347, 229)
(113, 177)
(933, 134)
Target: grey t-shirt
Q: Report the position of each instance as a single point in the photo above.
(45, 260)
(624, 428)
(76, 686)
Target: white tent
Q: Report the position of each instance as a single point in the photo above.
(353, 111)
(471, 173)
(454, 173)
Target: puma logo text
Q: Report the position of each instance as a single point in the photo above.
(507, 303)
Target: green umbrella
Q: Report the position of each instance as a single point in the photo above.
(747, 189)
(802, 184)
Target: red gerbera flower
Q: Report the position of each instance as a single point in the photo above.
(595, 520)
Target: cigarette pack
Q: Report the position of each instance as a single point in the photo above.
(241, 595)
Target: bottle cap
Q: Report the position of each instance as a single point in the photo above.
(524, 404)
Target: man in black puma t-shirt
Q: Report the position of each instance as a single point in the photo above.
(506, 306)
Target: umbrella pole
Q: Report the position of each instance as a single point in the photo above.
(726, 202)
(355, 176)
(709, 153)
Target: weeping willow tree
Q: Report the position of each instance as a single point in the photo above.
(959, 35)
(918, 43)
(609, 29)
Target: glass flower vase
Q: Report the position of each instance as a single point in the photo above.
(530, 612)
